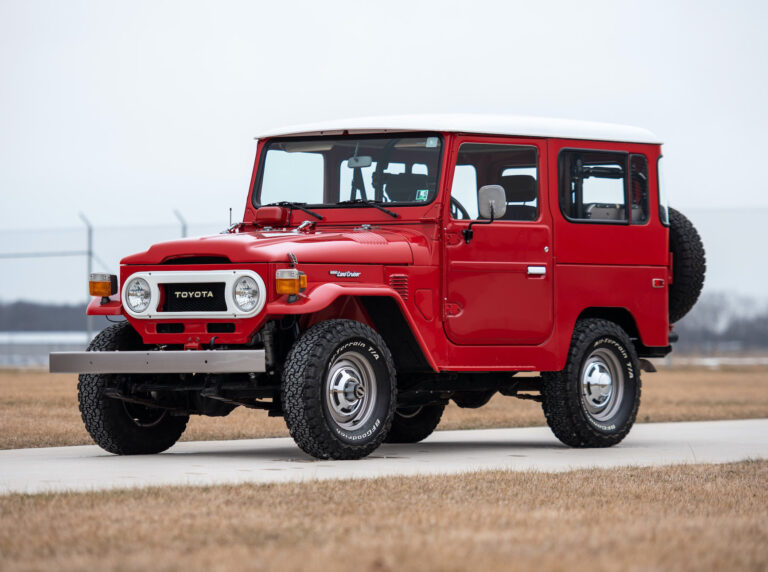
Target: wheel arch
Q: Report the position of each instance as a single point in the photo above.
(619, 316)
(623, 318)
(381, 308)
(389, 318)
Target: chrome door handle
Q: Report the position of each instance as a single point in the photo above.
(537, 271)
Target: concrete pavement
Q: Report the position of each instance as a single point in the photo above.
(445, 452)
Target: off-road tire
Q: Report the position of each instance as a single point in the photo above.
(411, 425)
(306, 406)
(564, 405)
(107, 420)
(689, 265)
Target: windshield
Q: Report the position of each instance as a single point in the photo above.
(326, 171)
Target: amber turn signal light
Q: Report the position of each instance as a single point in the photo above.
(103, 285)
(290, 281)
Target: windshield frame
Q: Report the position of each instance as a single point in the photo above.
(258, 179)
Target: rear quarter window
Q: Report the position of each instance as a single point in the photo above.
(593, 186)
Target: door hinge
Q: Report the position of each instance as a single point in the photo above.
(452, 238)
(451, 309)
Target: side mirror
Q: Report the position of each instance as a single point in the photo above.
(360, 161)
(492, 204)
(492, 201)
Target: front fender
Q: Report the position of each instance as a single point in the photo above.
(112, 308)
(324, 295)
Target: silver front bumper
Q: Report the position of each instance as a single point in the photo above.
(203, 361)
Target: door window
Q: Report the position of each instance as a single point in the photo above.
(638, 189)
(464, 192)
(514, 167)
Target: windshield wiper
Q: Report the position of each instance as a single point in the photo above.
(298, 206)
(369, 203)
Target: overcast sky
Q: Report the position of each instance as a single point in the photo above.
(128, 110)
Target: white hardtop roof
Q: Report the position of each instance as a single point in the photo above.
(474, 123)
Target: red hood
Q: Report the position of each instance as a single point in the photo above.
(347, 247)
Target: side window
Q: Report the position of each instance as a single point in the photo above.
(638, 189)
(663, 200)
(593, 186)
(514, 167)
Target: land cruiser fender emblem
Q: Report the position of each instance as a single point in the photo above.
(344, 274)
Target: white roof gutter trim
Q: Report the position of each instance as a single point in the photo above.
(508, 125)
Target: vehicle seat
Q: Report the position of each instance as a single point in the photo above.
(402, 187)
(599, 211)
(520, 189)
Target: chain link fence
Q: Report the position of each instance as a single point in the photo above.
(51, 265)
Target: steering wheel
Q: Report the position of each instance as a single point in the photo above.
(458, 209)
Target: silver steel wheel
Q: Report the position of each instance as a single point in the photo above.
(602, 384)
(350, 390)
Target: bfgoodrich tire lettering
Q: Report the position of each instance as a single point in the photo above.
(338, 390)
(116, 426)
(593, 401)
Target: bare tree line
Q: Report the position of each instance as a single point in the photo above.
(719, 322)
(724, 322)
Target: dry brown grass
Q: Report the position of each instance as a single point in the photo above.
(39, 409)
(711, 517)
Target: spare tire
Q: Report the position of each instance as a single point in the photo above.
(689, 265)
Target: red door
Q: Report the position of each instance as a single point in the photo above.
(499, 287)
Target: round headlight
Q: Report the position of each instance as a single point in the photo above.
(246, 294)
(138, 295)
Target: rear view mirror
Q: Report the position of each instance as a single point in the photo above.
(492, 204)
(360, 162)
(492, 201)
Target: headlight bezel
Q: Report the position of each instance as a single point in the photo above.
(156, 280)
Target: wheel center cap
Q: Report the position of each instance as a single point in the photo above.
(602, 384)
(350, 387)
(599, 384)
(353, 390)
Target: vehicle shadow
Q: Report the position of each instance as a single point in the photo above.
(291, 453)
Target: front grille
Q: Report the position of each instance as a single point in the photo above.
(195, 297)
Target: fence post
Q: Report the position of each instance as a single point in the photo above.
(89, 258)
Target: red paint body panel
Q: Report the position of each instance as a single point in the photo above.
(470, 307)
(111, 308)
(581, 286)
(332, 245)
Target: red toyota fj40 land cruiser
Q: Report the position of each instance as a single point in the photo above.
(386, 266)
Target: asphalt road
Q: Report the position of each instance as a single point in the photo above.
(445, 452)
